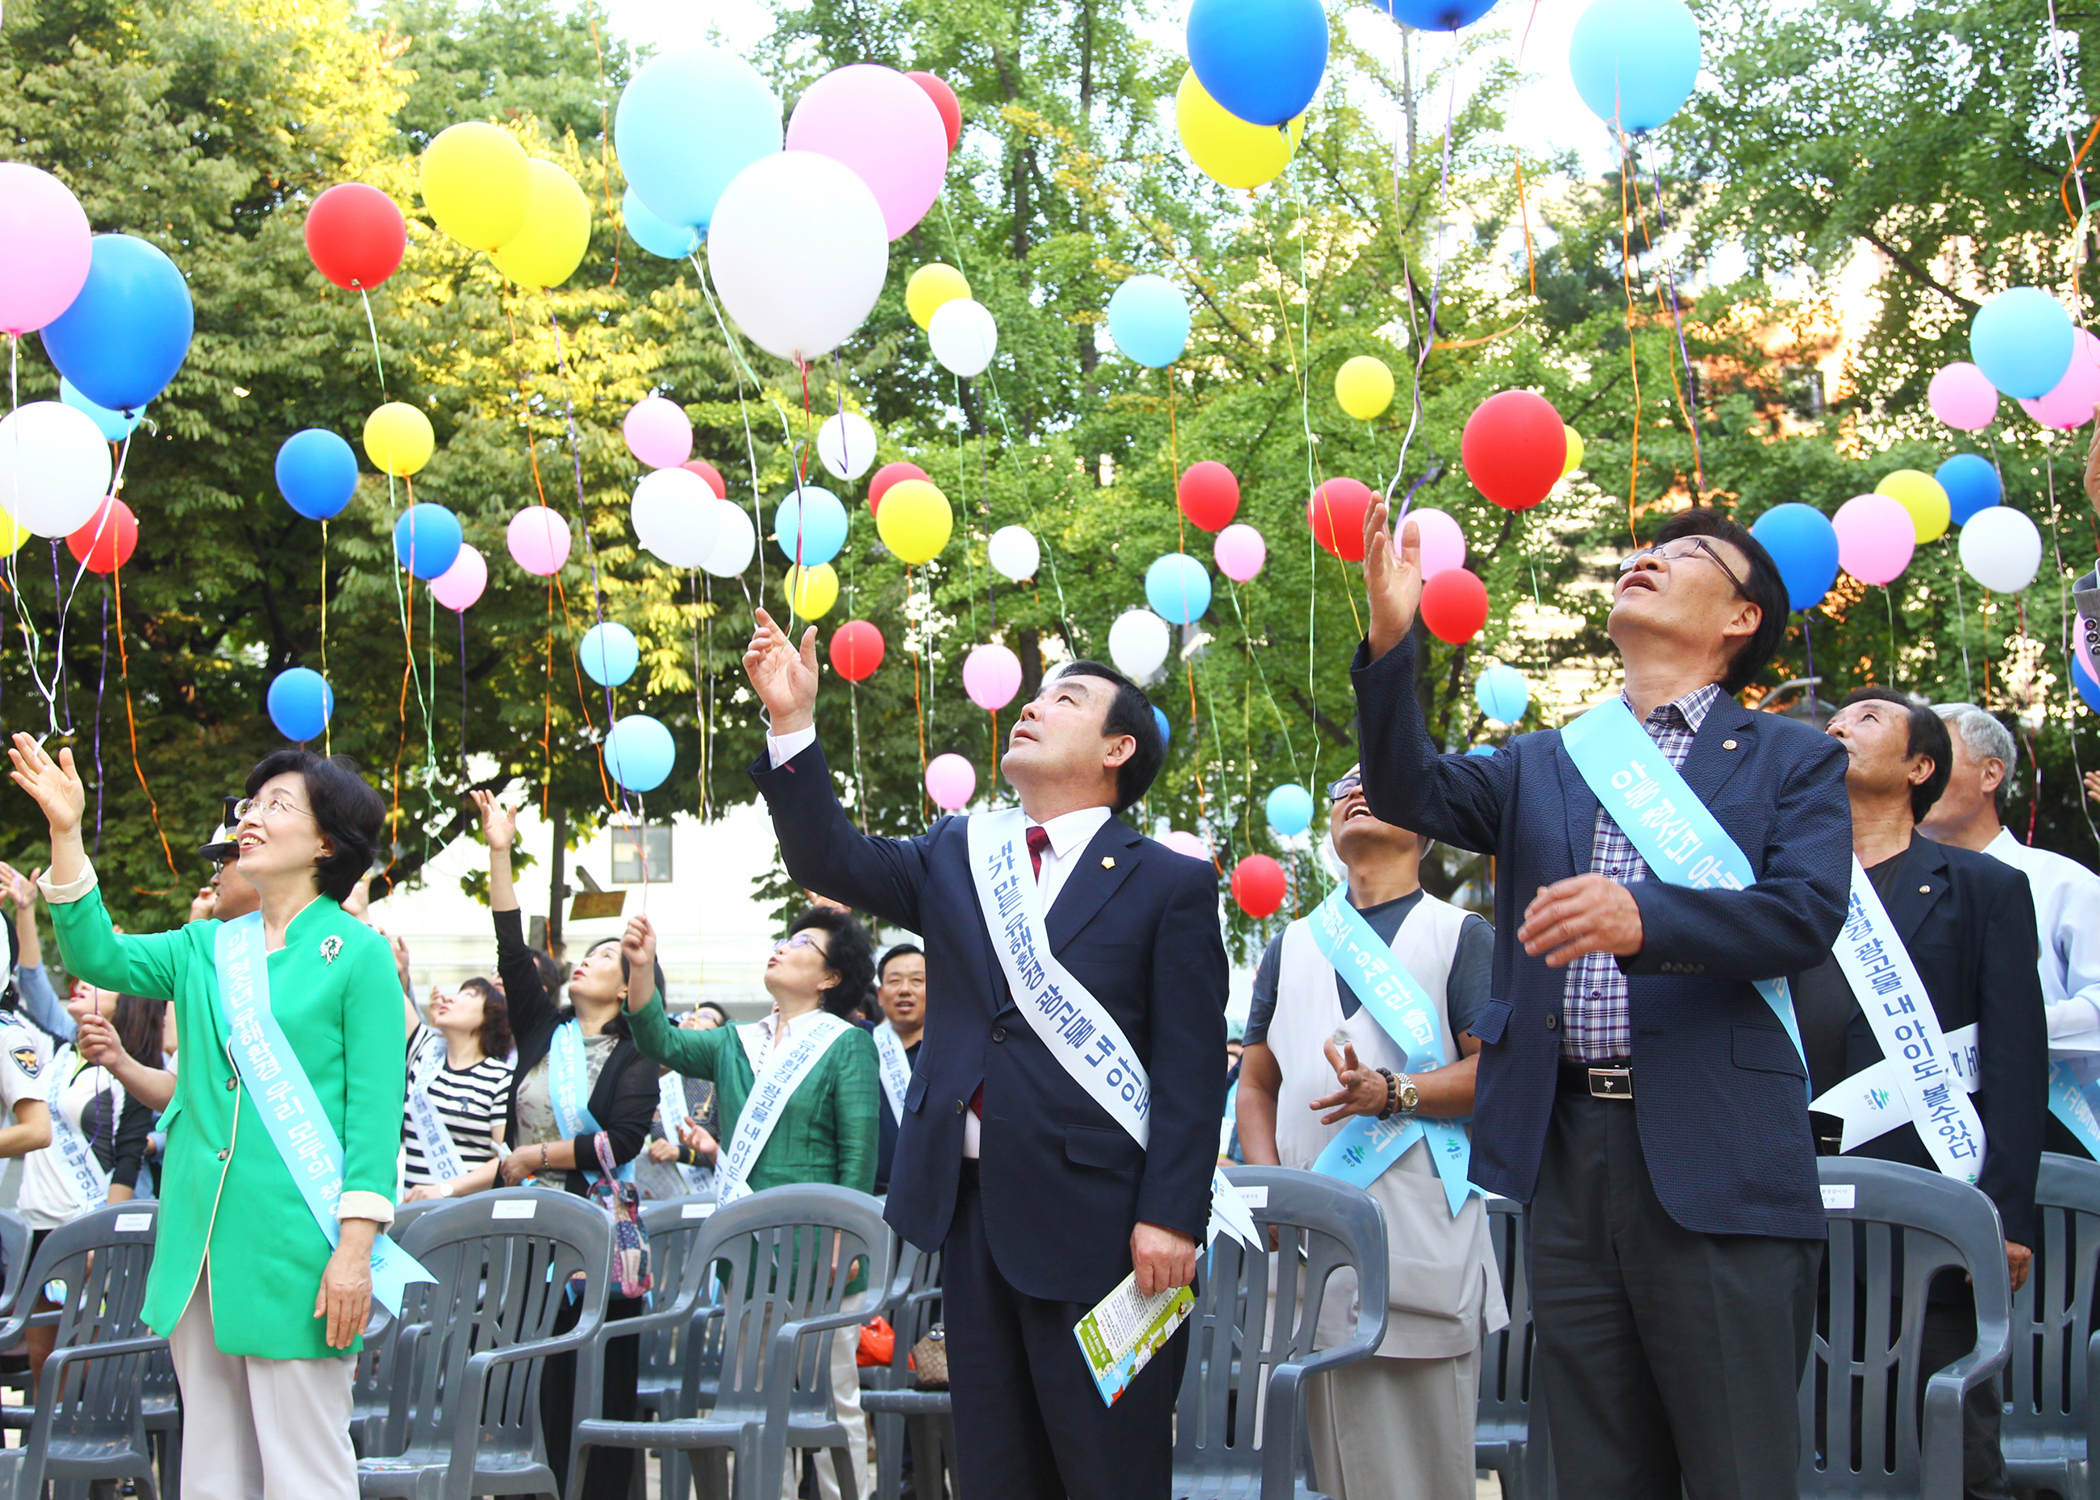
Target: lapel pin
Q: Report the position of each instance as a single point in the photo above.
(1107, 863)
(1728, 744)
(1924, 890)
(330, 947)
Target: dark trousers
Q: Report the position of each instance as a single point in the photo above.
(1669, 1360)
(609, 1471)
(1029, 1422)
(1950, 1333)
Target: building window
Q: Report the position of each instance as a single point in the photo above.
(632, 846)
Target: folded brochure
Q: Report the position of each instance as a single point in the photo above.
(1120, 1336)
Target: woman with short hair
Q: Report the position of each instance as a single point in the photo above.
(459, 1078)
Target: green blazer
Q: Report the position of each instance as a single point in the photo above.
(223, 1187)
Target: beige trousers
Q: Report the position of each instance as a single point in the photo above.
(845, 1404)
(1395, 1429)
(259, 1429)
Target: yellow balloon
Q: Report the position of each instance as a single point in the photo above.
(812, 591)
(477, 182)
(547, 251)
(929, 288)
(12, 533)
(398, 439)
(1921, 495)
(915, 520)
(1575, 451)
(1226, 148)
(1363, 385)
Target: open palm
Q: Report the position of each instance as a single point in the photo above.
(53, 783)
(784, 678)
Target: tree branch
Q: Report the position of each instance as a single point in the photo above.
(1917, 272)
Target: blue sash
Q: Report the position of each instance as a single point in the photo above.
(1399, 1004)
(1664, 819)
(2072, 1102)
(284, 1096)
(569, 1091)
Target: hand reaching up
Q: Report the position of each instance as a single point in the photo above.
(1392, 579)
(499, 824)
(54, 784)
(784, 678)
(638, 951)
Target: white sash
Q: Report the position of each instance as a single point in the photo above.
(1870, 1104)
(440, 1160)
(670, 1104)
(896, 1068)
(773, 1083)
(90, 1183)
(1075, 1027)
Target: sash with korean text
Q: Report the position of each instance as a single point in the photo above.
(440, 1160)
(90, 1182)
(895, 1068)
(775, 1077)
(569, 1092)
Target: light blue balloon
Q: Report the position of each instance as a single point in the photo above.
(687, 123)
(300, 702)
(1260, 59)
(1177, 588)
(115, 425)
(665, 241)
(1502, 694)
(1804, 545)
(1487, 750)
(2021, 340)
(1166, 730)
(1148, 317)
(1290, 809)
(427, 539)
(821, 520)
(609, 653)
(639, 752)
(1635, 61)
(1971, 484)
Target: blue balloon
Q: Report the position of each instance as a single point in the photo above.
(1290, 809)
(1177, 588)
(1502, 694)
(821, 522)
(128, 331)
(1166, 730)
(665, 241)
(1438, 15)
(1805, 546)
(1971, 483)
(316, 473)
(687, 122)
(1481, 750)
(639, 752)
(300, 702)
(1148, 317)
(1260, 59)
(2087, 688)
(2021, 340)
(427, 539)
(609, 654)
(1635, 61)
(115, 425)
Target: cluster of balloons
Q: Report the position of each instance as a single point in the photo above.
(2022, 344)
(528, 214)
(681, 512)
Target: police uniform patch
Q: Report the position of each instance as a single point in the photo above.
(26, 1060)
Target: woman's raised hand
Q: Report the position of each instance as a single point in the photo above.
(54, 783)
(638, 950)
(499, 824)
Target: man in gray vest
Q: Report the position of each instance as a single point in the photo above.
(1320, 1061)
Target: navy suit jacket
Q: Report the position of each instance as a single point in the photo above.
(1063, 1183)
(1719, 1091)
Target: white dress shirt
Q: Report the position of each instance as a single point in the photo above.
(2067, 912)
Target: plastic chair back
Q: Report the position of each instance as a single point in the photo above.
(674, 1228)
(1509, 1435)
(371, 1379)
(15, 1239)
(2048, 1414)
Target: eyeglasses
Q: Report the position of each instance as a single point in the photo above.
(1689, 548)
(803, 939)
(1337, 790)
(278, 803)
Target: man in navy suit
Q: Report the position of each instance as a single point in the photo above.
(1040, 1200)
(1635, 1088)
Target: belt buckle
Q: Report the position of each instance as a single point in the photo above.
(1611, 1083)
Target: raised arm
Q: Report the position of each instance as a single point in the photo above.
(531, 1007)
(695, 1054)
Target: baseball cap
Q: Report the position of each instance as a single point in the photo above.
(222, 845)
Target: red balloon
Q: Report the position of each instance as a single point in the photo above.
(1210, 495)
(945, 101)
(708, 472)
(106, 543)
(1515, 447)
(355, 235)
(888, 475)
(856, 650)
(1258, 885)
(1455, 605)
(1336, 514)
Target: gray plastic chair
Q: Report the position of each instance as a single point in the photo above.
(894, 1403)
(2048, 1432)
(674, 1227)
(1509, 1435)
(466, 1393)
(160, 1405)
(1244, 1341)
(15, 1239)
(775, 1264)
(371, 1387)
(1862, 1437)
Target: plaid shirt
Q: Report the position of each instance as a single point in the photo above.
(1596, 1007)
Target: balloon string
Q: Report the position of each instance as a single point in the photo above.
(547, 709)
(105, 517)
(101, 686)
(2067, 625)
(860, 780)
(462, 693)
(1633, 473)
(1895, 665)
(132, 728)
(743, 366)
(962, 489)
(532, 449)
(918, 710)
(370, 323)
(1425, 341)
(327, 729)
(1688, 393)
(1808, 650)
(700, 704)
(1516, 154)
(605, 136)
(1961, 628)
(1984, 609)
(1254, 655)
(583, 515)
(583, 700)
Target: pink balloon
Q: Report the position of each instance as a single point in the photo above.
(1443, 543)
(658, 432)
(883, 126)
(538, 539)
(1240, 552)
(43, 247)
(1181, 841)
(2071, 403)
(461, 584)
(1963, 397)
(950, 780)
(1876, 537)
(991, 676)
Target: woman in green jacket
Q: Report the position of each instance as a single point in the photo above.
(261, 1311)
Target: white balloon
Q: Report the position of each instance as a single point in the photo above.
(1013, 553)
(2001, 548)
(735, 540)
(54, 467)
(1137, 643)
(963, 336)
(799, 253)
(676, 516)
(846, 445)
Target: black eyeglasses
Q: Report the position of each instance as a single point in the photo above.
(1690, 547)
(1337, 790)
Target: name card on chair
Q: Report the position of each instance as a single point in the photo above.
(513, 1208)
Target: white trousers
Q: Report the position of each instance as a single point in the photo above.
(259, 1429)
(1395, 1429)
(845, 1405)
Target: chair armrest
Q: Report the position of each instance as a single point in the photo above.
(2092, 1407)
(61, 1359)
(1282, 1416)
(466, 1434)
(780, 1370)
(1940, 1435)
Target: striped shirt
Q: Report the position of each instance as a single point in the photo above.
(470, 1101)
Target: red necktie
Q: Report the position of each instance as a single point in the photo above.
(1038, 841)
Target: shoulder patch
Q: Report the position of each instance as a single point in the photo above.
(26, 1059)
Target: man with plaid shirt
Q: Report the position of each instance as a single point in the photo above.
(1635, 1088)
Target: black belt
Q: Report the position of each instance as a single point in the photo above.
(1610, 1079)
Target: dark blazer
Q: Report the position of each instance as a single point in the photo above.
(1134, 922)
(1968, 921)
(1720, 1093)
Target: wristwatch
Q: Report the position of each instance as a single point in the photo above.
(1409, 1098)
